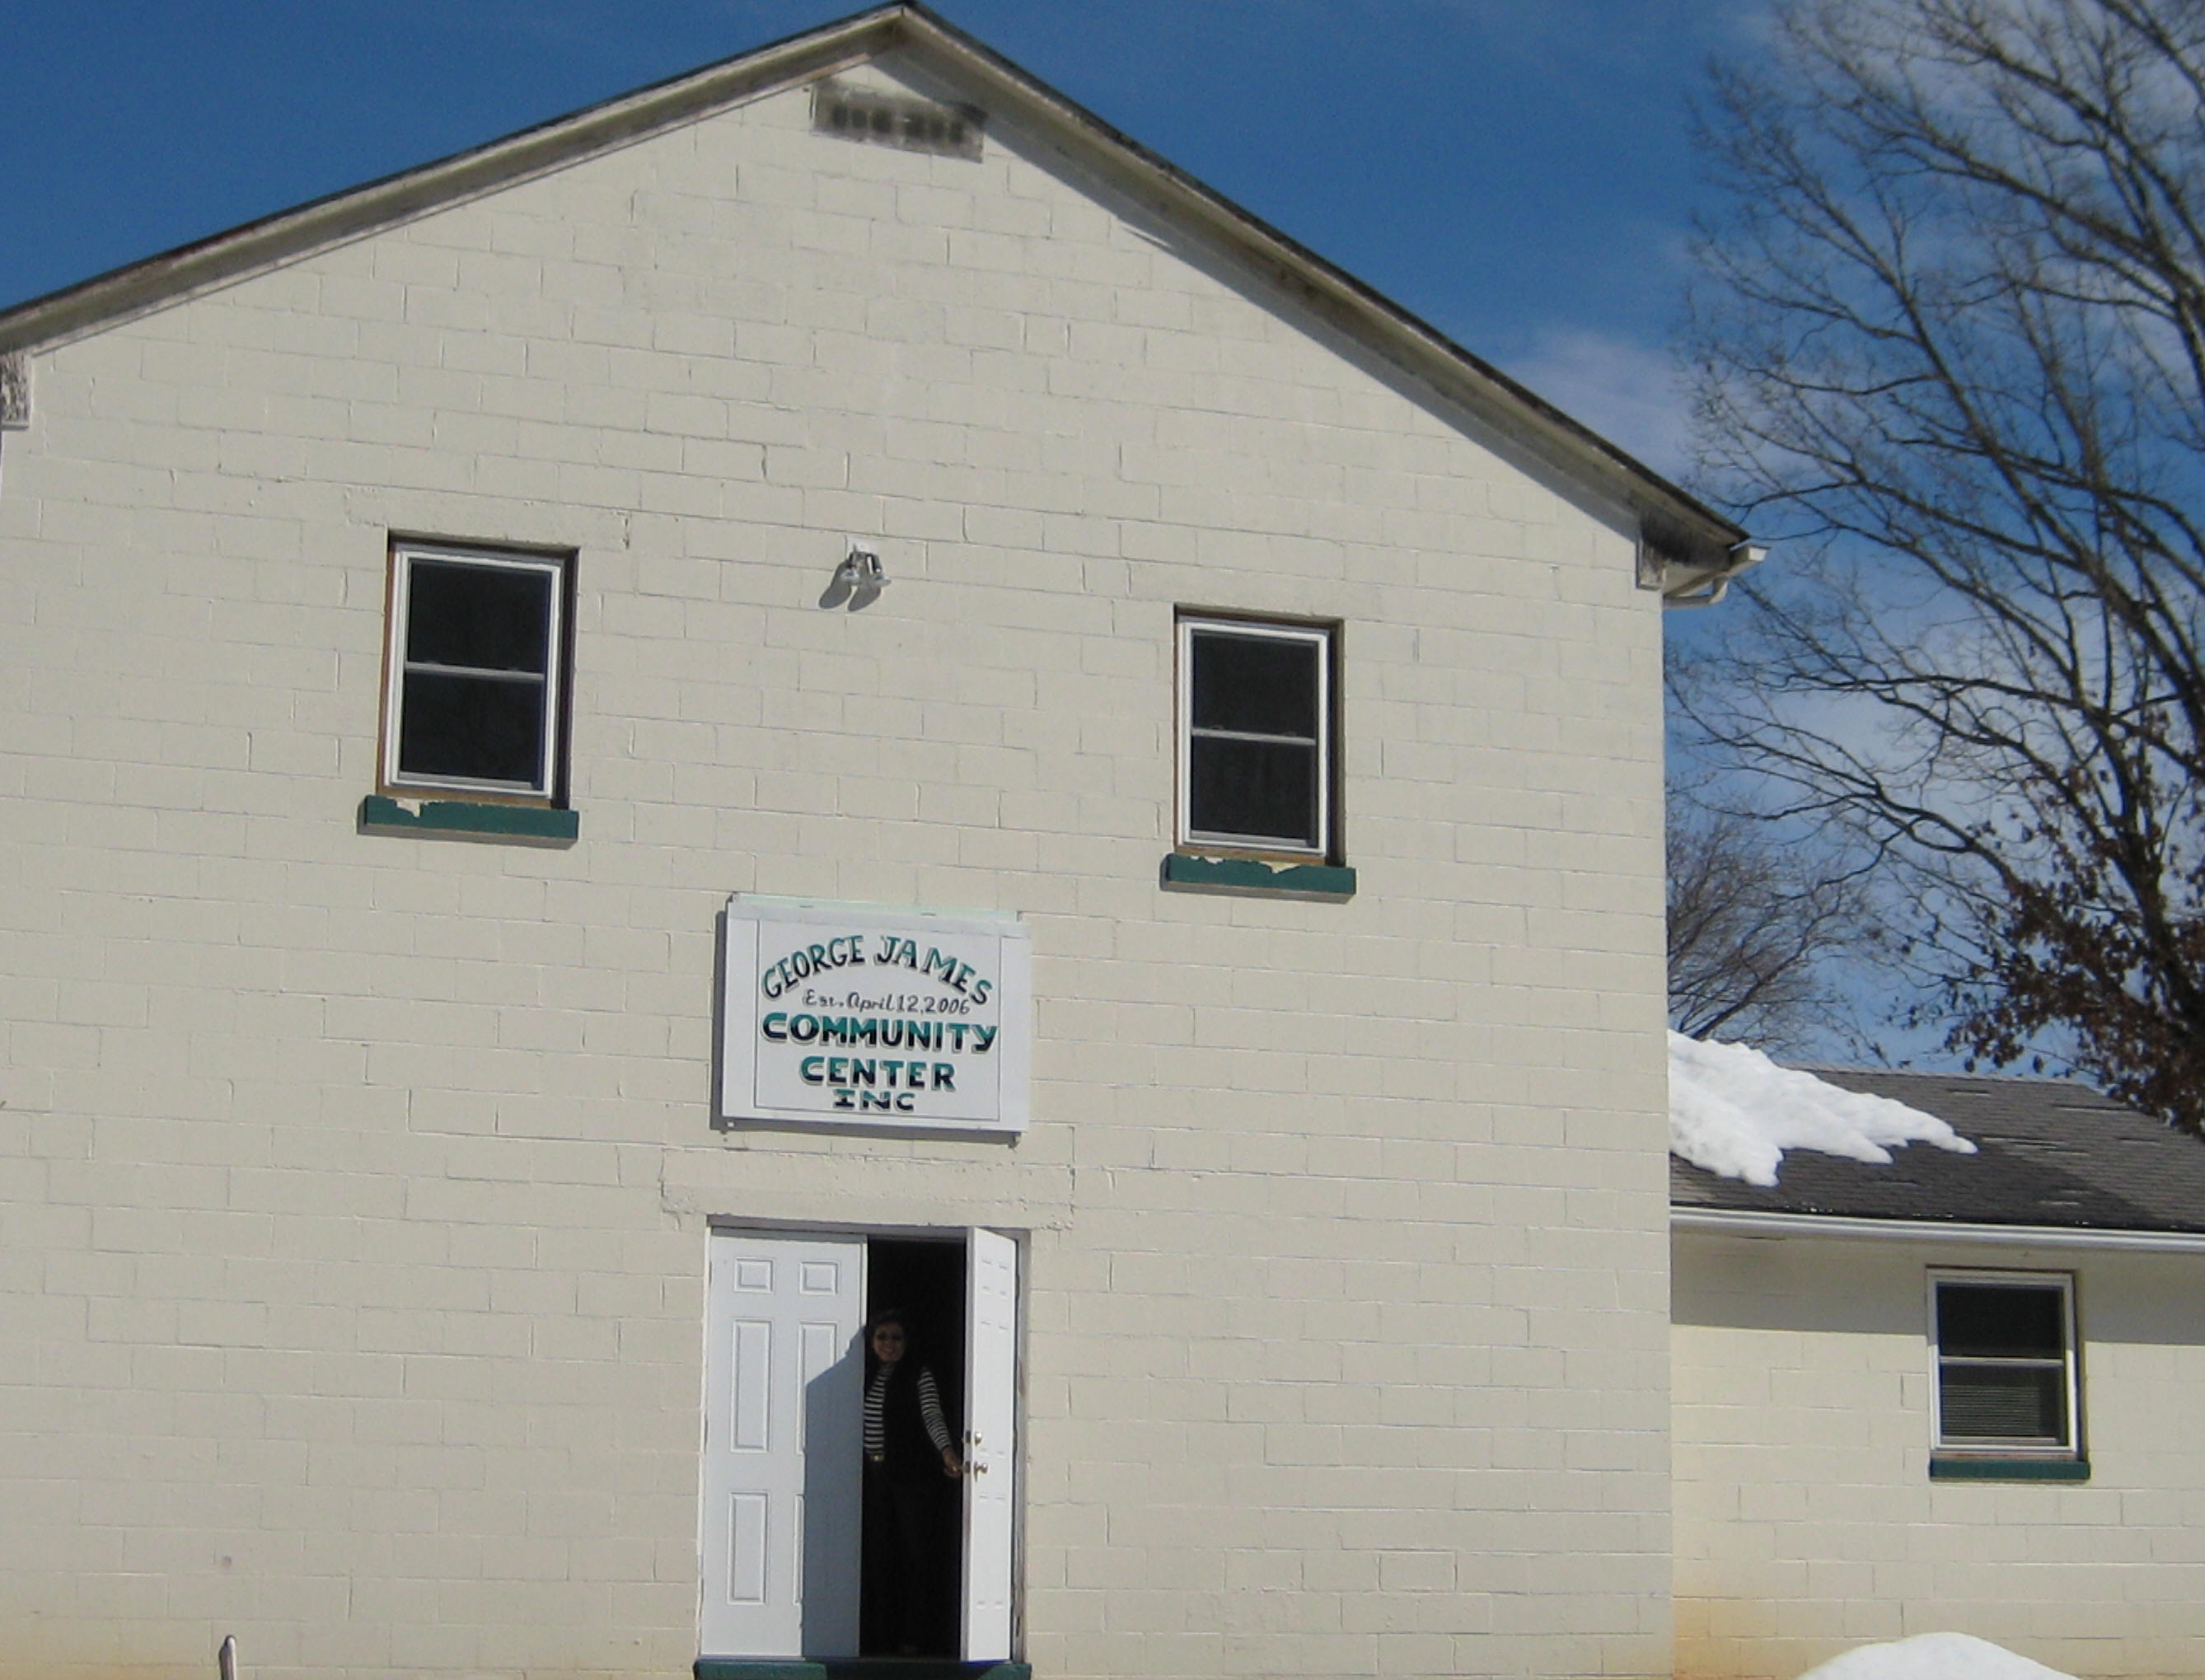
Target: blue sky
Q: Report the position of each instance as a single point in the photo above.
(1516, 171)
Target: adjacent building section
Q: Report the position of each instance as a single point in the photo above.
(1951, 1390)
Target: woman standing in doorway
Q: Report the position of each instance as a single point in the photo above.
(908, 1453)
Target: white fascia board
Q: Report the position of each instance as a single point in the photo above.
(1749, 1222)
(42, 322)
(1705, 539)
(1362, 313)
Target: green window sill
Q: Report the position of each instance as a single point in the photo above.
(464, 819)
(2009, 1470)
(857, 1668)
(1251, 875)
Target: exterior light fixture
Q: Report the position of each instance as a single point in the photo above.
(862, 570)
(856, 583)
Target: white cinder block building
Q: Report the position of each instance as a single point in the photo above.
(1952, 1392)
(821, 687)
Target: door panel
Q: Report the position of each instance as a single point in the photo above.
(991, 1305)
(780, 1564)
(746, 1531)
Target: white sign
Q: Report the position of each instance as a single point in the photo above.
(843, 1015)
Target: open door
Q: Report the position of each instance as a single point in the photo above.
(782, 1368)
(991, 1304)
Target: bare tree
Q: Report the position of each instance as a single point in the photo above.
(1753, 924)
(1950, 343)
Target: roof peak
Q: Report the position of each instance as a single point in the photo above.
(1674, 527)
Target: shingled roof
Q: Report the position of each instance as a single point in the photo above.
(2049, 1153)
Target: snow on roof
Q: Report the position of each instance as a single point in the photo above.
(1933, 1656)
(1734, 1112)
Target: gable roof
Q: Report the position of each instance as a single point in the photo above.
(1694, 545)
(2049, 1153)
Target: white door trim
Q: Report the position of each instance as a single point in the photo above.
(992, 1447)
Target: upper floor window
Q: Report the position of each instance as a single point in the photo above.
(2006, 1363)
(1256, 731)
(475, 688)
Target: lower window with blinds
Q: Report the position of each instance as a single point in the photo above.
(2008, 1390)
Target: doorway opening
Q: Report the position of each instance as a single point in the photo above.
(789, 1532)
(911, 1587)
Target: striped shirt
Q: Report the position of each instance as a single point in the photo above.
(929, 1412)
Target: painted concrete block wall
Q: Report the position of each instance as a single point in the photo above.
(1806, 1521)
(353, 1189)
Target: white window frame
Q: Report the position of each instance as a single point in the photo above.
(1324, 637)
(545, 790)
(1976, 1447)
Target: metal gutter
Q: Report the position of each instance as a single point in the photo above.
(1707, 589)
(1753, 1222)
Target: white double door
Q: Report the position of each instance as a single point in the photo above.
(783, 1501)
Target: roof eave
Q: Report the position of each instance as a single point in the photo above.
(154, 281)
(1694, 542)
(1764, 1224)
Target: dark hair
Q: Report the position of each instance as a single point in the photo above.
(888, 1316)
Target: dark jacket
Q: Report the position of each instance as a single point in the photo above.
(912, 1454)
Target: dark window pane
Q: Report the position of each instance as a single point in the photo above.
(1256, 683)
(1252, 790)
(489, 618)
(479, 729)
(1979, 1403)
(1991, 1322)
